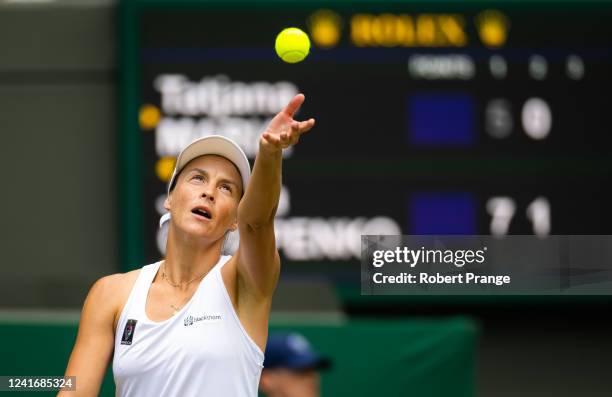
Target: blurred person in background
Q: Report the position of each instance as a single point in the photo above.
(291, 367)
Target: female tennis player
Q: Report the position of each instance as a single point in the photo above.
(196, 322)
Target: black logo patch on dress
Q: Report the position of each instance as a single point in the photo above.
(128, 332)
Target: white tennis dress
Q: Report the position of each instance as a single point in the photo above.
(203, 350)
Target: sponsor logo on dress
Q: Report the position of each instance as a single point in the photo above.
(128, 332)
(207, 318)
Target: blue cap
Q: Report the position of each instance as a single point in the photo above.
(292, 350)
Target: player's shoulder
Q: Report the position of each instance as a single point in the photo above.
(119, 282)
(114, 287)
(109, 294)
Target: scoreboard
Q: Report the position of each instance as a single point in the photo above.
(432, 118)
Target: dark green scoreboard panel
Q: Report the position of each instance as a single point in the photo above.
(439, 118)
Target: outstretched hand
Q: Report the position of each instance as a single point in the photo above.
(283, 131)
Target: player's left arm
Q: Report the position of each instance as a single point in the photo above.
(258, 262)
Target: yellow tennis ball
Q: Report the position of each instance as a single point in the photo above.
(292, 45)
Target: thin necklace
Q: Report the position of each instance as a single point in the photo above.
(178, 285)
(176, 308)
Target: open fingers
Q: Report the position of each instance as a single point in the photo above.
(272, 139)
(305, 126)
(290, 133)
(300, 127)
(294, 104)
(284, 139)
(297, 128)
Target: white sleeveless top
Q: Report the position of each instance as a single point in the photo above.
(203, 350)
